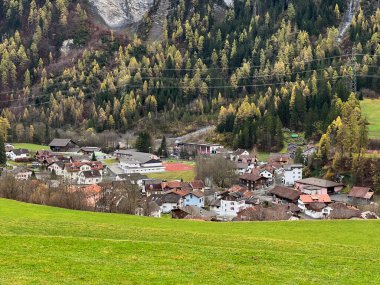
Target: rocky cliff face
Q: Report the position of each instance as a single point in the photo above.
(119, 13)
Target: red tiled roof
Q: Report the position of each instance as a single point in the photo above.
(322, 198)
(199, 194)
(180, 192)
(171, 184)
(285, 192)
(75, 166)
(197, 184)
(251, 177)
(361, 192)
(237, 188)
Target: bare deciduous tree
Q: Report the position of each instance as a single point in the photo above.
(220, 171)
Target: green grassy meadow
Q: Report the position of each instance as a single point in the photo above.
(185, 175)
(31, 146)
(44, 245)
(371, 108)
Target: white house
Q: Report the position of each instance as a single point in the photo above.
(230, 208)
(292, 173)
(23, 175)
(237, 153)
(15, 154)
(315, 206)
(170, 201)
(214, 205)
(57, 166)
(265, 173)
(72, 170)
(89, 177)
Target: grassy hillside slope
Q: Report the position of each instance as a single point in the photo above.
(371, 108)
(44, 245)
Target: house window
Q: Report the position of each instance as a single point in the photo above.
(232, 208)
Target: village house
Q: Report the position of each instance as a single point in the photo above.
(360, 195)
(274, 213)
(153, 188)
(88, 177)
(279, 158)
(214, 205)
(8, 147)
(151, 207)
(134, 178)
(230, 204)
(284, 195)
(319, 186)
(193, 212)
(195, 198)
(22, 173)
(63, 145)
(197, 185)
(253, 181)
(291, 173)
(265, 173)
(57, 166)
(241, 168)
(80, 158)
(237, 153)
(171, 200)
(72, 170)
(18, 154)
(315, 206)
(89, 150)
(342, 211)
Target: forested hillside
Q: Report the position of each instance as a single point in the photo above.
(252, 69)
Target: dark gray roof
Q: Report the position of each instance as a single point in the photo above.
(132, 176)
(197, 212)
(91, 173)
(152, 161)
(214, 203)
(239, 151)
(170, 198)
(60, 163)
(60, 142)
(90, 148)
(319, 182)
(285, 192)
(156, 198)
(20, 151)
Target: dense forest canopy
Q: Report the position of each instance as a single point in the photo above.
(252, 69)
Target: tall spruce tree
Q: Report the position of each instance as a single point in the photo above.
(3, 156)
(163, 150)
(144, 142)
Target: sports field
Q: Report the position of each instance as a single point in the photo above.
(371, 108)
(44, 245)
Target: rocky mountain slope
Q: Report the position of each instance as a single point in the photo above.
(119, 13)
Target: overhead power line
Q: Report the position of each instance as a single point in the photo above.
(215, 87)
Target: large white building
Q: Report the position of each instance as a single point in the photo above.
(292, 173)
(138, 162)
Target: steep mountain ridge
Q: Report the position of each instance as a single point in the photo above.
(119, 13)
